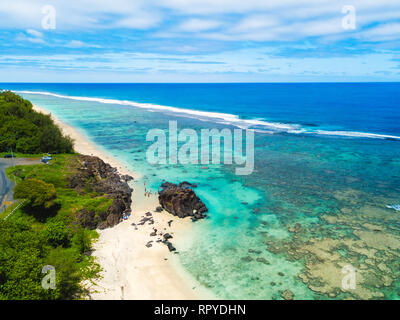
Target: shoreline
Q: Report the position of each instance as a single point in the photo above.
(131, 270)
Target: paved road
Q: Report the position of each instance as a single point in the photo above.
(6, 186)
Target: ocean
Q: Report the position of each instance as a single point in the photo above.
(324, 196)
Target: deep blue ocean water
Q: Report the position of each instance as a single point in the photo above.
(323, 194)
(362, 107)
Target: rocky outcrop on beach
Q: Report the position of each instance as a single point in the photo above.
(180, 200)
(94, 175)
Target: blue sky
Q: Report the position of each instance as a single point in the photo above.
(199, 41)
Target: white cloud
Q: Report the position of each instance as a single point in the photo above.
(143, 22)
(75, 44)
(304, 7)
(80, 14)
(265, 28)
(195, 25)
(228, 20)
(32, 36)
(34, 33)
(386, 32)
(250, 61)
(256, 22)
(80, 44)
(36, 40)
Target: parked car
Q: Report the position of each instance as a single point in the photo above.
(8, 156)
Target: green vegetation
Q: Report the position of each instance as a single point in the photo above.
(24, 251)
(67, 201)
(24, 130)
(44, 231)
(4, 213)
(37, 193)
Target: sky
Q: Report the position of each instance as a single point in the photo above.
(199, 40)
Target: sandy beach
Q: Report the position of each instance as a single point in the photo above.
(132, 270)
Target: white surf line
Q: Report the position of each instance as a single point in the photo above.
(355, 134)
(210, 115)
(226, 118)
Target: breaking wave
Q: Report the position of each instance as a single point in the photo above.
(258, 125)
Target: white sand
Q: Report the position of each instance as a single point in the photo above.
(130, 269)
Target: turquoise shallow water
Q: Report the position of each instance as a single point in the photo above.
(337, 189)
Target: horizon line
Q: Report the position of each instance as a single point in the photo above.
(227, 82)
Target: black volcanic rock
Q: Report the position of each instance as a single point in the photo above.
(94, 175)
(170, 246)
(87, 219)
(180, 200)
(167, 236)
(126, 178)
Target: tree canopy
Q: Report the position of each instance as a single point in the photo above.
(24, 130)
(37, 192)
(22, 254)
(25, 250)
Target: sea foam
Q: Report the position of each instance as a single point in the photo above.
(258, 125)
